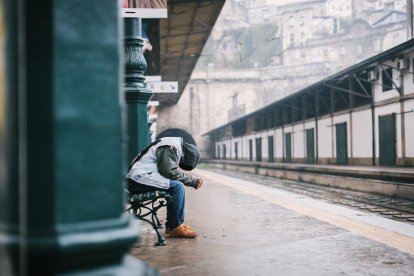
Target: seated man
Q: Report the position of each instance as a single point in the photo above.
(158, 166)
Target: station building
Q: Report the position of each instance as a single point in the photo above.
(363, 115)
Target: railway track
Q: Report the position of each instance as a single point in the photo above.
(389, 207)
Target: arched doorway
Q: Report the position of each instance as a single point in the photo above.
(176, 132)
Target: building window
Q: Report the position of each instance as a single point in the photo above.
(224, 151)
(218, 151)
(258, 149)
(291, 39)
(387, 79)
(291, 21)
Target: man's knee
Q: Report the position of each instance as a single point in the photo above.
(177, 185)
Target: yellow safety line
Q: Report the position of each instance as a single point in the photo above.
(393, 239)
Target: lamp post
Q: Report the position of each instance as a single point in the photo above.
(136, 93)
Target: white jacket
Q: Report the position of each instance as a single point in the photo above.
(145, 170)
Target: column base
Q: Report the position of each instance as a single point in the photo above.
(129, 266)
(83, 248)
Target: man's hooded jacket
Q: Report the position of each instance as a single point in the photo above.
(158, 163)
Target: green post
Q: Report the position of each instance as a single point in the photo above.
(136, 93)
(9, 171)
(62, 160)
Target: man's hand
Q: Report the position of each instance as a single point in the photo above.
(199, 182)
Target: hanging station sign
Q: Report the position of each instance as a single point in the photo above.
(163, 86)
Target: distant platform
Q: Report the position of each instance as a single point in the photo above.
(390, 181)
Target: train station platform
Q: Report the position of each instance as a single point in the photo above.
(250, 229)
(389, 181)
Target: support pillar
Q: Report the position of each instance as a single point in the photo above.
(61, 194)
(9, 175)
(136, 93)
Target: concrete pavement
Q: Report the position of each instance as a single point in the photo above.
(249, 229)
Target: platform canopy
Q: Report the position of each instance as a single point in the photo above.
(182, 38)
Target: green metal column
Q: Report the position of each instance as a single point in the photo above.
(9, 201)
(62, 196)
(136, 93)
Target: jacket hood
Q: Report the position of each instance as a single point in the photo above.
(191, 156)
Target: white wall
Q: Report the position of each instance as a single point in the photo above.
(229, 150)
(245, 147)
(298, 149)
(325, 129)
(278, 143)
(310, 124)
(409, 128)
(362, 134)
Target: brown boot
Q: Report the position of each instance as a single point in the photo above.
(167, 230)
(188, 227)
(182, 231)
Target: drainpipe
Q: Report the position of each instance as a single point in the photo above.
(402, 111)
(373, 122)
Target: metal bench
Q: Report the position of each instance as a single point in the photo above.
(147, 202)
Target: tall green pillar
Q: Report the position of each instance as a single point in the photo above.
(136, 93)
(62, 138)
(9, 176)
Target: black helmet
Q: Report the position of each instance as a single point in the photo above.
(190, 158)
